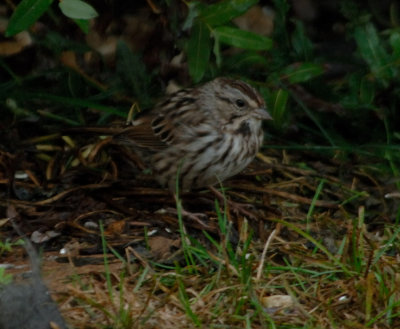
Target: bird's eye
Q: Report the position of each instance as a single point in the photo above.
(240, 102)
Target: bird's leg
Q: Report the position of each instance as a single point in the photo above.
(194, 216)
(238, 208)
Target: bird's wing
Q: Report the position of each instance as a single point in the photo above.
(144, 134)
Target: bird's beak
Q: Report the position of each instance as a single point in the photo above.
(263, 114)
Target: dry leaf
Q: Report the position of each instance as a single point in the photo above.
(161, 246)
(277, 302)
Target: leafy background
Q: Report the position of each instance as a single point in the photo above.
(349, 74)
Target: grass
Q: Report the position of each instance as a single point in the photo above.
(331, 264)
(220, 284)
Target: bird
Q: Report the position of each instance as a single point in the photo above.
(196, 137)
(200, 136)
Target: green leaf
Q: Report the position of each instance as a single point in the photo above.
(302, 72)
(373, 52)
(27, 13)
(242, 39)
(5, 278)
(281, 31)
(301, 43)
(223, 12)
(217, 52)
(395, 43)
(351, 99)
(83, 24)
(194, 9)
(198, 51)
(77, 9)
(245, 60)
(367, 91)
(279, 107)
(74, 102)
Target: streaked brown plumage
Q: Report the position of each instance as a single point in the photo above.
(205, 134)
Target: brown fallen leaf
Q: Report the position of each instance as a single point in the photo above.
(277, 302)
(161, 246)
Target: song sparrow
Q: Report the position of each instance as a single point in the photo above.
(204, 135)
